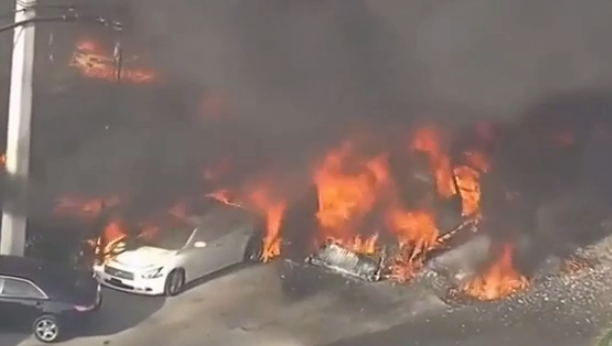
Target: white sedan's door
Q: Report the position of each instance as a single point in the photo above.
(202, 253)
(233, 244)
(195, 257)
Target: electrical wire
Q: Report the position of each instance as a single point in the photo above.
(71, 9)
(35, 7)
(63, 18)
(71, 16)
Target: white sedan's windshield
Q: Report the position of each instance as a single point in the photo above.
(171, 234)
(172, 239)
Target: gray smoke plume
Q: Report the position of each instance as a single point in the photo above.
(287, 65)
(320, 56)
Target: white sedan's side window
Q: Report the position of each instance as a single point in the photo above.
(201, 235)
(209, 235)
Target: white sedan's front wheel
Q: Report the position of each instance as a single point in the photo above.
(174, 283)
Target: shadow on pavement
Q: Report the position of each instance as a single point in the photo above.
(122, 311)
(12, 338)
(119, 312)
(221, 273)
(455, 329)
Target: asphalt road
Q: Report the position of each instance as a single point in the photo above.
(245, 307)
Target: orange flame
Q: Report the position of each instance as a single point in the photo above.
(350, 189)
(112, 241)
(365, 245)
(274, 212)
(428, 140)
(225, 196)
(468, 182)
(346, 197)
(359, 207)
(93, 62)
(499, 280)
(258, 198)
(417, 234)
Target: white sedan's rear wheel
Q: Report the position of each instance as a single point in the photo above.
(254, 249)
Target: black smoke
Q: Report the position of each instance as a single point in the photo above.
(298, 75)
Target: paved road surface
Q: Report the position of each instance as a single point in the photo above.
(242, 307)
(246, 308)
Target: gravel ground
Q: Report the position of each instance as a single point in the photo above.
(564, 310)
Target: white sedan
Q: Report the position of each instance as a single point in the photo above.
(183, 250)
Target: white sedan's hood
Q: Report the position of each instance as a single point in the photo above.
(144, 257)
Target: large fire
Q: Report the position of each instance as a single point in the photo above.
(359, 201)
(365, 203)
(360, 207)
(111, 240)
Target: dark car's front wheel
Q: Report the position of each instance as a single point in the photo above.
(46, 329)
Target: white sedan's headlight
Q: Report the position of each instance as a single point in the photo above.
(153, 274)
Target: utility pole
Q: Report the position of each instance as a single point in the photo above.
(14, 219)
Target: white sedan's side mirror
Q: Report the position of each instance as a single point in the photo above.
(199, 244)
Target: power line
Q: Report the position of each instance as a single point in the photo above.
(36, 7)
(72, 16)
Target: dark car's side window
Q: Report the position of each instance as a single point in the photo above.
(16, 288)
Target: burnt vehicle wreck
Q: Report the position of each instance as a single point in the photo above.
(333, 262)
(378, 257)
(343, 261)
(461, 222)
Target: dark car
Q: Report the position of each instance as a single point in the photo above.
(50, 301)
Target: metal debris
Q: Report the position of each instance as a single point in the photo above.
(343, 261)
